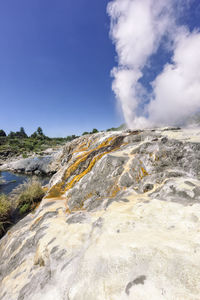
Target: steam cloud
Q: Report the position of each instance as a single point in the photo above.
(138, 29)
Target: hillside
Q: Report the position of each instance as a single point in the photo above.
(120, 220)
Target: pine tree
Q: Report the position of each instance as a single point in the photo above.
(40, 131)
(22, 132)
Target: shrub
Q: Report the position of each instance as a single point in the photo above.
(4, 206)
(24, 155)
(94, 130)
(85, 132)
(23, 200)
(25, 208)
(5, 213)
(2, 133)
(31, 194)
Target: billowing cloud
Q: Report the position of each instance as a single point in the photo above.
(138, 28)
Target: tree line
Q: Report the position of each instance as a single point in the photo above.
(22, 134)
(19, 143)
(38, 134)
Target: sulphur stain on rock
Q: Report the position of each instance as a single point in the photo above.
(61, 187)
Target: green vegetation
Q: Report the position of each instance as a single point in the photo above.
(5, 213)
(18, 134)
(22, 202)
(17, 143)
(93, 131)
(70, 138)
(2, 133)
(29, 197)
(121, 127)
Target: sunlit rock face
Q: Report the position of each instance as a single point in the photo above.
(42, 165)
(121, 220)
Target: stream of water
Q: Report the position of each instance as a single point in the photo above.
(9, 181)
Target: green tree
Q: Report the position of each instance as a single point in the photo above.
(22, 133)
(12, 135)
(85, 132)
(68, 138)
(34, 135)
(40, 131)
(94, 130)
(2, 132)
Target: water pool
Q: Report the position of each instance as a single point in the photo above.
(9, 181)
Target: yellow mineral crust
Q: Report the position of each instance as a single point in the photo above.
(61, 187)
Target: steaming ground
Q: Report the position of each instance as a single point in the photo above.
(138, 29)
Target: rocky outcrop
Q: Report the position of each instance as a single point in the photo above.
(120, 220)
(38, 165)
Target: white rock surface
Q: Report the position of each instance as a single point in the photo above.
(100, 240)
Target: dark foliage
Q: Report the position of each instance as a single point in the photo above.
(2, 133)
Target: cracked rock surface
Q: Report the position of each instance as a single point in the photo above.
(120, 220)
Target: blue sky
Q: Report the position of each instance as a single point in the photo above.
(55, 62)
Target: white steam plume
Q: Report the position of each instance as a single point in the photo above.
(177, 88)
(138, 27)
